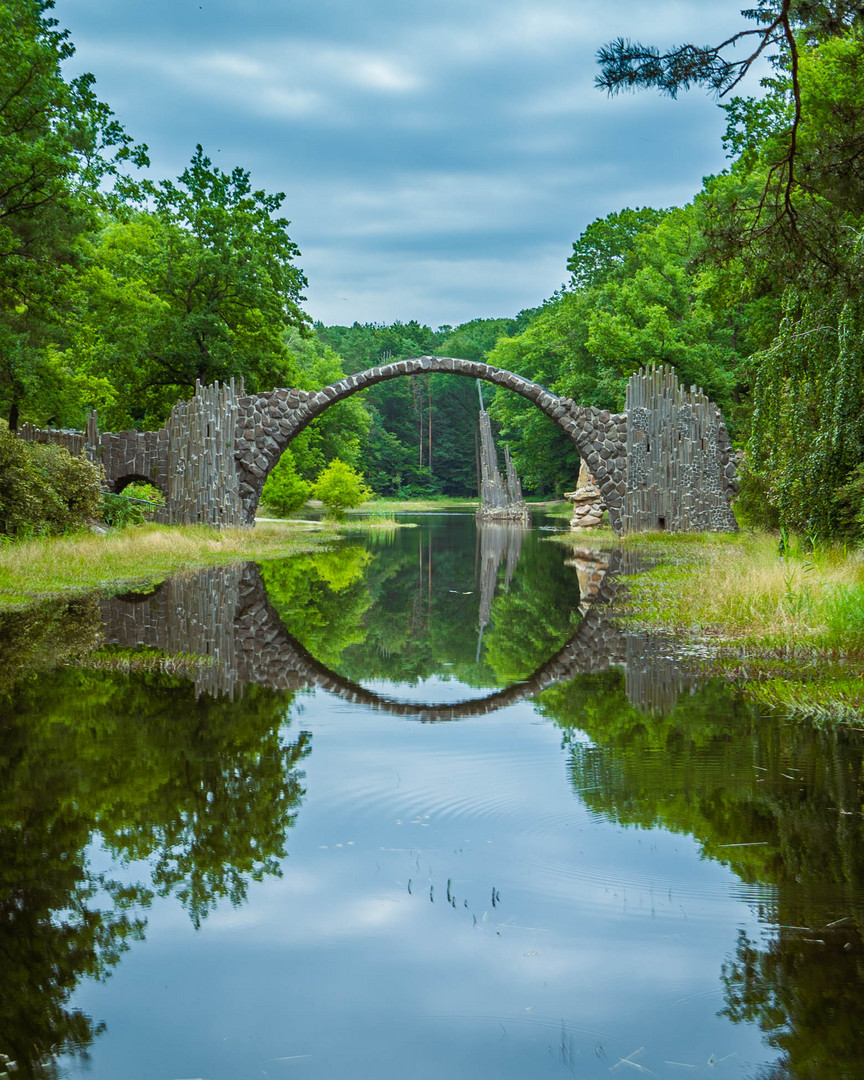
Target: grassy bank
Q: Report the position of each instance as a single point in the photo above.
(553, 507)
(60, 566)
(416, 506)
(784, 623)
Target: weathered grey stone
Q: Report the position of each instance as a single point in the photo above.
(265, 423)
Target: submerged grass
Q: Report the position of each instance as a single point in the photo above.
(826, 701)
(783, 620)
(127, 661)
(60, 566)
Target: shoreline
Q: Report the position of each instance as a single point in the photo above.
(781, 622)
(65, 567)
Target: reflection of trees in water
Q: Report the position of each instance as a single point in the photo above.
(528, 618)
(43, 635)
(205, 789)
(803, 987)
(428, 599)
(780, 804)
(322, 598)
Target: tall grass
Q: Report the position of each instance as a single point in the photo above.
(44, 567)
(785, 621)
(750, 591)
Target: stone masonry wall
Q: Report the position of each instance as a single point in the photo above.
(218, 449)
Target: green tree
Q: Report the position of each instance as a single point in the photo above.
(284, 489)
(343, 429)
(785, 26)
(789, 215)
(340, 487)
(202, 286)
(641, 293)
(59, 145)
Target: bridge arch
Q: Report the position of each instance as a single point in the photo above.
(267, 422)
(122, 482)
(224, 612)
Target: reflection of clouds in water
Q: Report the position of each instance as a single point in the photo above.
(616, 934)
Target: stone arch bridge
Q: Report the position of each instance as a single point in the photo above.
(665, 462)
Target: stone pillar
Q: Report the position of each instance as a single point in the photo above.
(588, 504)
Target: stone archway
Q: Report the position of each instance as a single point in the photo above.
(266, 424)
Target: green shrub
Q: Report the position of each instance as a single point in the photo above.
(116, 511)
(340, 487)
(850, 500)
(44, 489)
(148, 492)
(284, 489)
(119, 510)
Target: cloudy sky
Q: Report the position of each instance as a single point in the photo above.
(438, 160)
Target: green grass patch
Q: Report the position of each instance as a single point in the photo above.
(442, 504)
(603, 538)
(37, 569)
(783, 622)
(384, 522)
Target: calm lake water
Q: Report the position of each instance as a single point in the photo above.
(416, 807)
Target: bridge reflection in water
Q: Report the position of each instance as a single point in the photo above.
(221, 621)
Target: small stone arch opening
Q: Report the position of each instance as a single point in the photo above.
(122, 482)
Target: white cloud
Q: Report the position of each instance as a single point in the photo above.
(380, 73)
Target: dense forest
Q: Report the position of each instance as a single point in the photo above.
(118, 292)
